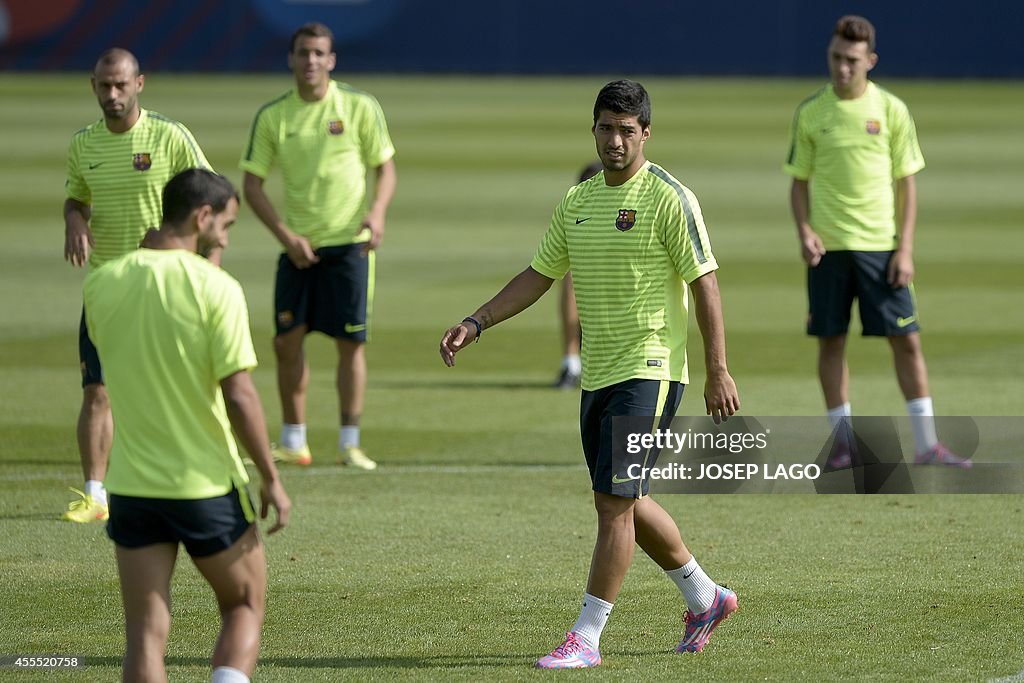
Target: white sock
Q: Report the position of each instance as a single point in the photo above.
(349, 436)
(293, 437)
(698, 590)
(593, 617)
(841, 415)
(94, 489)
(922, 420)
(227, 674)
(573, 364)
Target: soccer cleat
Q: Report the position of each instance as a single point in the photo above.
(839, 459)
(940, 455)
(699, 626)
(292, 456)
(353, 456)
(573, 653)
(567, 380)
(86, 509)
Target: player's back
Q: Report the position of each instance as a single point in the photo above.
(168, 326)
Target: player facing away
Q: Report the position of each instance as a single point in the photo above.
(117, 168)
(569, 316)
(325, 136)
(172, 331)
(635, 241)
(852, 143)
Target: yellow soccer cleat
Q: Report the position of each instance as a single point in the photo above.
(353, 456)
(86, 509)
(292, 456)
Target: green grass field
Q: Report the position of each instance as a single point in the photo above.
(464, 556)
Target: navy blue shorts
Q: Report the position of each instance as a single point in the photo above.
(843, 276)
(333, 296)
(205, 527)
(607, 457)
(88, 357)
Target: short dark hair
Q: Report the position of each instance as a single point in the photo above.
(116, 55)
(193, 188)
(624, 97)
(856, 29)
(313, 29)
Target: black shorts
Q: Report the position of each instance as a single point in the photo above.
(333, 296)
(205, 526)
(843, 276)
(88, 357)
(607, 458)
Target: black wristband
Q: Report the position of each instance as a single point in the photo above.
(476, 323)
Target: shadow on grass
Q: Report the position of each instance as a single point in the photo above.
(434, 662)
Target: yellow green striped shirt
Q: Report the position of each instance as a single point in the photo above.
(324, 149)
(632, 249)
(852, 151)
(122, 177)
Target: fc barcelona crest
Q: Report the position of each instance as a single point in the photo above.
(626, 219)
(335, 127)
(873, 127)
(142, 161)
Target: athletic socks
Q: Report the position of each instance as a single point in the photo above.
(922, 421)
(94, 489)
(293, 437)
(593, 617)
(227, 674)
(348, 437)
(698, 590)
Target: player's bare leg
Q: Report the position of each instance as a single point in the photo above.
(351, 384)
(238, 577)
(145, 575)
(911, 371)
(292, 374)
(833, 371)
(658, 536)
(95, 432)
(613, 551)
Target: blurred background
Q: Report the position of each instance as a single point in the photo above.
(787, 37)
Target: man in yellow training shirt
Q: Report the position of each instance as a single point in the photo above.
(326, 136)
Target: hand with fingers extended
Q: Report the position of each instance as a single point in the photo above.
(721, 398)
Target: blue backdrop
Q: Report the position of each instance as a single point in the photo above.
(916, 37)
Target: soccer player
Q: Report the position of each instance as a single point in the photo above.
(325, 136)
(635, 241)
(172, 331)
(857, 142)
(117, 168)
(572, 335)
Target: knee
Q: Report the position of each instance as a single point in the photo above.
(287, 347)
(832, 347)
(613, 509)
(349, 349)
(908, 346)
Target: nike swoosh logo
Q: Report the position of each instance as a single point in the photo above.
(351, 329)
(617, 480)
(583, 220)
(903, 322)
(686, 576)
(291, 134)
(92, 166)
(826, 131)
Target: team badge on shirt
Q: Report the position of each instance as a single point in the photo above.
(336, 127)
(142, 161)
(626, 219)
(873, 127)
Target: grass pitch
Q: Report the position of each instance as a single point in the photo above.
(464, 556)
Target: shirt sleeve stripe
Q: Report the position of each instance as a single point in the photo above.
(255, 122)
(691, 225)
